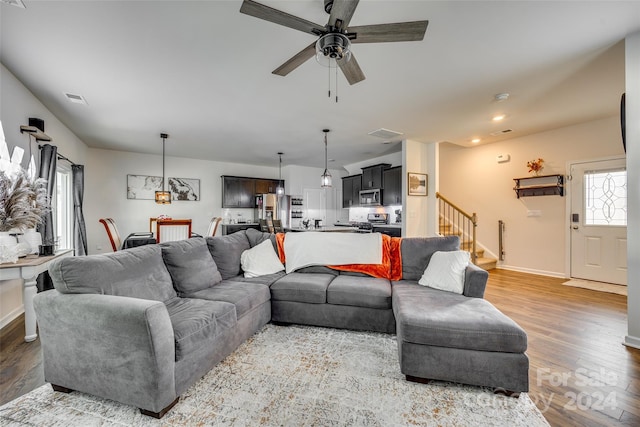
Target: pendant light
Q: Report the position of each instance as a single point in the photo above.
(325, 179)
(280, 187)
(163, 197)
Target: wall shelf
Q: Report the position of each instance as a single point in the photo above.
(542, 185)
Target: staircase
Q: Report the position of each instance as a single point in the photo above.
(453, 221)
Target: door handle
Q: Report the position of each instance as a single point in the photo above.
(575, 227)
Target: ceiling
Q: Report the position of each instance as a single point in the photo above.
(201, 71)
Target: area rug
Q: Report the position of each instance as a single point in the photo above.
(295, 376)
(597, 286)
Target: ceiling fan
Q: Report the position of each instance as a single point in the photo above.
(335, 38)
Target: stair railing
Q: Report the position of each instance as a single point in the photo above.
(459, 223)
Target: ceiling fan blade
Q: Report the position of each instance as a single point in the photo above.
(252, 8)
(342, 10)
(352, 70)
(297, 60)
(396, 32)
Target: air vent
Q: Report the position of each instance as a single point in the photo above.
(385, 133)
(16, 3)
(501, 132)
(77, 99)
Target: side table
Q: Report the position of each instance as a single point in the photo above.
(27, 270)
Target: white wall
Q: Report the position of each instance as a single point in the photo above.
(324, 204)
(17, 104)
(632, 52)
(472, 179)
(418, 158)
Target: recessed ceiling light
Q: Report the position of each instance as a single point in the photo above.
(475, 140)
(498, 117)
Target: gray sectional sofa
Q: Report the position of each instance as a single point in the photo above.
(142, 325)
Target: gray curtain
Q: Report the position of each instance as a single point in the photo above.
(79, 228)
(48, 161)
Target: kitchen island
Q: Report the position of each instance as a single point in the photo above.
(333, 229)
(232, 228)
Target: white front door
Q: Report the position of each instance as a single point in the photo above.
(599, 221)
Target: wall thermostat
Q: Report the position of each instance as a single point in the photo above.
(502, 158)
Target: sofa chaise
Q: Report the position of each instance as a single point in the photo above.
(142, 325)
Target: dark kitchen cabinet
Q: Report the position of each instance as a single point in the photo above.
(238, 192)
(351, 186)
(392, 194)
(266, 186)
(372, 176)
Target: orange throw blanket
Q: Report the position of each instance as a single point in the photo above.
(391, 267)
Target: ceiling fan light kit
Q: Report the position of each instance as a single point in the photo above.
(333, 46)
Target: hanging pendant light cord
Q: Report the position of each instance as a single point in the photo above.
(325, 152)
(163, 140)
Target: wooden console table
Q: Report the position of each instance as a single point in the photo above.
(27, 270)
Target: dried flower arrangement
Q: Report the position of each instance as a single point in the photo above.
(536, 166)
(23, 201)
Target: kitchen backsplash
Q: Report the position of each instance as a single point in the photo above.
(360, 214)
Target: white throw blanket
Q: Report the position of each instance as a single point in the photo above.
(308, 248)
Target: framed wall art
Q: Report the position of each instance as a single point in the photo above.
(417, 184)
(143, 187)
(187, 189)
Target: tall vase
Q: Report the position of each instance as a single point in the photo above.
(8, 247)
(33, 239)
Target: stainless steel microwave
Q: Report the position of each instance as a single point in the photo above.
(371, 197)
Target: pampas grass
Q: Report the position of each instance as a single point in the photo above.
(23, 201)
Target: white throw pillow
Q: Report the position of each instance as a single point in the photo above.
(260, 260)
(446, 271)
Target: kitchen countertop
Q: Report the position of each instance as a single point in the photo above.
(394, 225)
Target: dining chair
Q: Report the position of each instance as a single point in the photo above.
(169, 230)
(152, 224)
(265, 227)
(112, 233)
(277, 226)
(213, 226)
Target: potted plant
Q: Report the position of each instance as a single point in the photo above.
(23, 203)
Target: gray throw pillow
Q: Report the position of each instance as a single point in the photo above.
(190, 265)
(226, 251)
(256, 237)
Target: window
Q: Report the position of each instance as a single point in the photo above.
(62, 205)
(606, 197)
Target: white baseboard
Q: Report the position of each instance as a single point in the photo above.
(630, 341)
(532, 271)
(10, 317)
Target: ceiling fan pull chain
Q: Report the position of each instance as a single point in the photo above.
(336, 82)
(329, 81)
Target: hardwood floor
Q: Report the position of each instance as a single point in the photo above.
(580, 374)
